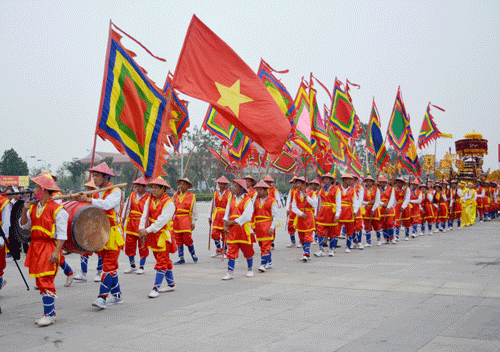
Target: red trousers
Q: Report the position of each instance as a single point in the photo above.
(131, 243)
(183, 238)
(163, 261)
(374, 224)
(306, 236)
(46, 285)
(348, 226)
(291, 228)
(329, 231)
(265, 247)
(109, 259)
(217, 234)
(233, 250)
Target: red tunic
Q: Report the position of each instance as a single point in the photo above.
(347, 197)
(134, 216)
(263, 218)
(183, 212)
(443, 209)
(415, 213)
(237, 233)
(358, 217)
(3, 202)
(371, 222)
(326, 213)
(161, 240)
(115, 241)
(304, 225)
(220, 204)
(43, 244)
(401, 215)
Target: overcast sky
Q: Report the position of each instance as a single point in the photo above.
(445, 52)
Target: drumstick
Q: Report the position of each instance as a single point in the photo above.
(74, 195)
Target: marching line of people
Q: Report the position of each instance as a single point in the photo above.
(319, 214)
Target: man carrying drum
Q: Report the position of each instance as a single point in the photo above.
(48, 221)
(154, 231)
(132, 212)
(110, 201)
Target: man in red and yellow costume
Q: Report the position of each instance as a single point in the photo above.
(216, 219)
(349, 206)
(401, 209)
(290, 215)
(237, 223)
(415, 209)
(328, 202)
(304, 204)
(111, 202)
(440, 203)
(265, 222)
(455, 211)
(154, 232)
(49, 224)
(387, 201)
(371, 214)
(184, 219)
(134, 207)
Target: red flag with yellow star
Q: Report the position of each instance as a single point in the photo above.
(208, 69)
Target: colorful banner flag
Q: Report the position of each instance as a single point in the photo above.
(303, 119)
(132, 110)
(398, 125)
(208, 69)
(354, 163)
(278, 91)
(178, 117)
(285, 163)
(409, 159)
(374, 140)
(337, 146)
(318, 126)
(343, 116)
(429, 131)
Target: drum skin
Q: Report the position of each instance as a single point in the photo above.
(88, 227)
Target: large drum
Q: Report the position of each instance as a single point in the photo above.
(88, 227)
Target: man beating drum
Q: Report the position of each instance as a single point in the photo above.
(110, 201)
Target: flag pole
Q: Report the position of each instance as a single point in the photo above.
(192, 150)
(435, 150)
(213, 201)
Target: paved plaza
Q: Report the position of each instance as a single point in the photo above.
(432, 293)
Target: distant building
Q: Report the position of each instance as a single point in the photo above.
(119, 160)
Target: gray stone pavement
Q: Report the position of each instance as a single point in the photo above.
(433, 293)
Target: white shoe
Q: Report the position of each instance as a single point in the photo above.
(347, 250)
(305, 258)
(166, 289)
(140, 271)
(379, 243)
(80, 277)
(269, 266)
(413, 235)
(319, 253)
(99, 303)
(112, 300)
(215, 254)
(459, 228)
(436, 230)
(360, 246)
(45, 320)
(394, 241)
(368, 244)
(290, 245)
(407, 238)
(315, 242)
(298, 245)
(97, 277)
(262, 269)
(130, 270)
(331, 253)
(250, 273)
(354, 246)
(69, 280)
(229, 276)
(153, 294)
(450, 228)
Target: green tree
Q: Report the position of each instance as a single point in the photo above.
(76, 169)
(12, 164)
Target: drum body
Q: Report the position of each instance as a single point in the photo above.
(88, 227)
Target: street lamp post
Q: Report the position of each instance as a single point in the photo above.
(44, 163)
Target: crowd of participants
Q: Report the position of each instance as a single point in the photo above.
(316, 214)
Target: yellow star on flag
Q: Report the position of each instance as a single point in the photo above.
(231, 97)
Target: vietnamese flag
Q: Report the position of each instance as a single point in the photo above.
(208, 69)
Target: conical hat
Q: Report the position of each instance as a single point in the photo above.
(185, 179)
(159, 181)
(222, 179)
(242, 183)
(262, 184)
(292, 180)
(103, 168)
(328, 175)
(369, 178)
(46, 181)
(140, 181)
(268, 179)
(301, 178)
(314, 181)
(347, 175)
(249, 177)
(415, 182)
(382, 179)
(90, 184)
